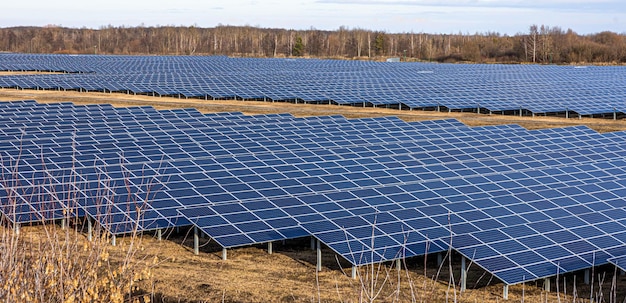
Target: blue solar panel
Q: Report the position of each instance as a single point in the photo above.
(493, 87)
(521, 204)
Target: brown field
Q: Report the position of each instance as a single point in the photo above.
(252, 275)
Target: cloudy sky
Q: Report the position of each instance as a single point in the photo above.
(431, 16)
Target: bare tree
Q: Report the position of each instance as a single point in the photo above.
(533, 41)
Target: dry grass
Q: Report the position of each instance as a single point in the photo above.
(252, 275)
(49, 264)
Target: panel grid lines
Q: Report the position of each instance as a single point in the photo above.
(521, 204)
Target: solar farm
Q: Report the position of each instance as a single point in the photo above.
(568, 91)
(523, 205)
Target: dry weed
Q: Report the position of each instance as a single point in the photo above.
(46, 263)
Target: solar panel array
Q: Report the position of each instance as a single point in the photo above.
(521, 204)
(592, 90)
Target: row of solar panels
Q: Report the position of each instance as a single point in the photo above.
(532, 88)
(521, 204)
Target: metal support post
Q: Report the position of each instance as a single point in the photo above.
(354, 272)
(586, 277)
(89, 229)
(224, 254)
(319, 256)
(196, 241)
(463, 274)
(546, 284)
(439, 259)
(269, 248)
(312, 243)
(505, 292)
(63, 223)
(113, 240)
(159, 235)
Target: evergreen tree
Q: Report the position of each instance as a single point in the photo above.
(379, 44)
(298, 47)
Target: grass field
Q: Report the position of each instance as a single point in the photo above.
(252, 275)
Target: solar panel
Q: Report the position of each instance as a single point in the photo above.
(330, 238)
(220, 198)
(521, 204)
(74, 161)
(513, 89)
(619, 261)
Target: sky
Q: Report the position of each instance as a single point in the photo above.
(392, 16)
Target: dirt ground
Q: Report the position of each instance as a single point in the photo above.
(288, 275)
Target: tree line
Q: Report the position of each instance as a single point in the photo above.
(539, 44)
